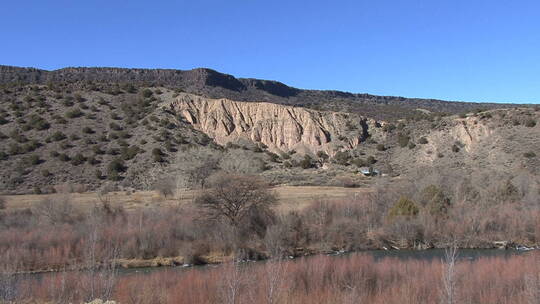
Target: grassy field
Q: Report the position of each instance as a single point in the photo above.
(289, 197)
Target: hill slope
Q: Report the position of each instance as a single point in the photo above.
(210, 83)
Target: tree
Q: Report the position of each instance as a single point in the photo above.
(404, 207)
(195, 165)
(233, 198)
(436, 202)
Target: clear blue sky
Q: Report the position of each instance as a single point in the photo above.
(471, 50)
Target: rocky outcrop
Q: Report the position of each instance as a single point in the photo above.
(281, 128)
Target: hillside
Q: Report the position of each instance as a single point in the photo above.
(213, 84)
(89, 134)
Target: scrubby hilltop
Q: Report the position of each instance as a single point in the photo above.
(213, 84)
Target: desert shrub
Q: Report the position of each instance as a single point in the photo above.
(129, 152)
(388, 127)
(342, 158)
(287, 164)
(114, 126)
(529, 154)
(54, 154)
(3, 155)
(74, 137)
(272, 156)
(530, 123)
(75, 113)
(32, 160)
(157, 154)
(64, 157)
(2, 203)
(78, 159)
(18, 136)
(114, 169)
(88, 130)
(306, 162)
(31, 146)
(45, 173)
(322, 155)
(381, 147)
(359, 162)
(15, 149)
(115, 116)
(165, 187)
(455, 148)
(412, 145)
(38, 123)
(423, 140)
(403, 140)
(404, 207)
(147, 93)
(58, 136)
(371, 160)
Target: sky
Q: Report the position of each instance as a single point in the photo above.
(472, 50)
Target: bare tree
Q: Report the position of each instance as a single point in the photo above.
(240, 161)
(101, 257)
(8, 281)
(275, 268)
(231, 283)
(532, 289)
(234, 197)
(195, 165)
(448, 295)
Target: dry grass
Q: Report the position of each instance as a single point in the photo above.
(290, 198)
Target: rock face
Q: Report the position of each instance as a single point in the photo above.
(281, 128)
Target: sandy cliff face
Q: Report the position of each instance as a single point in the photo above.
(281, 128)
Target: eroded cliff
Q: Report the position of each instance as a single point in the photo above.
(281, 128)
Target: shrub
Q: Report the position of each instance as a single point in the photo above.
(78, 159)
(147, 93)
(115, 126)
(88, 130)
(3, 155)
(307, 162)
(455, 148)
(371, 160)
(529, 154)
(115, 116)
(64, 157)
(38, 123)
(58, 136)
(404, 207)
(97, 150)
(412, 145)
(388, 127)
(381, 147)
(15, 149)
(423, 140)
(45, 173)
(130, 152)
(32, 160)
(403, 140)
(530, 123)
(115, 167)
(18, 137)
(342, 158)
(74, 113)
